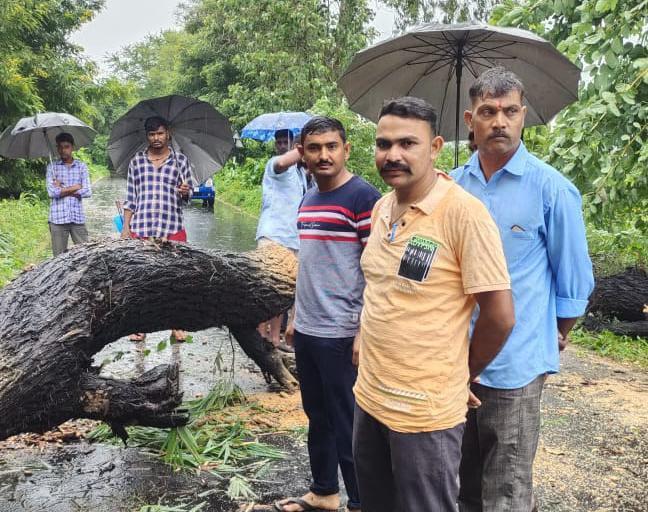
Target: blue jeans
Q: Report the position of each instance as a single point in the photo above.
(326, 377)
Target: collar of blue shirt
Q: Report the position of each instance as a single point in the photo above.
(61, 162)
(516, 165)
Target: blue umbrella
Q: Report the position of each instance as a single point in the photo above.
(264, 126)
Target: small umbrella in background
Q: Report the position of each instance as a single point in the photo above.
(432, 61)
(34, 137)
(263, 127)
(197, 129)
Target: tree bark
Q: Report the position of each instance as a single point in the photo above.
(54, 318)
(639, 328)
(623, 296)
(619, 303)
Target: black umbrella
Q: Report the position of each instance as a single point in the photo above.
(197, 129)
(432, 61)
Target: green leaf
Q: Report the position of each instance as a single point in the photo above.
(161, 345)
(608, 97)
(602, 6)
(594, 38)
(612, 108)
(628, 97)
(611, 59)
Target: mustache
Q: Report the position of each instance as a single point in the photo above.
(498, 133)
(395, 166)
(324, 162)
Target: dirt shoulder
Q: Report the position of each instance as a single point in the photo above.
(593, 453)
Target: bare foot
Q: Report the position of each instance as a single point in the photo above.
(140, 336)
(179, 335)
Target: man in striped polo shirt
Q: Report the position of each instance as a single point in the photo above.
(334, 222)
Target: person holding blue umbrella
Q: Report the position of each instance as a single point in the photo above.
(284, 184)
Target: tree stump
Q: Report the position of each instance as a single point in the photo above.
(55, 317)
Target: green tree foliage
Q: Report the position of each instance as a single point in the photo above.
(412, 12)
(40, 70)
(109, 99)
(154, 64)
(599, 141)
(247, 57)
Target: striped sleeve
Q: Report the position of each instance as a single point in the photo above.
(365, 202)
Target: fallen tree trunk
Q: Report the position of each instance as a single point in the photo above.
(619, 303)
(639, 328)
(623, 296)
(54, 318)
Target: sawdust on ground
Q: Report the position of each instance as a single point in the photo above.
(267, 411)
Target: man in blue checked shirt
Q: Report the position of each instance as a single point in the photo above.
(538, 212)
(67, 184)
(159, 178)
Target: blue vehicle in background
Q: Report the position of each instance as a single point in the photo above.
(206, 193)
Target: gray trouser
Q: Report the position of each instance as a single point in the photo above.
(499, 446)
(61, 232)
(405, 472)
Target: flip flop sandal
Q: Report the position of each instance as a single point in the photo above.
(305, 506)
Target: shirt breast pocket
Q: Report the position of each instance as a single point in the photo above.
(170, 182)
(518, 245)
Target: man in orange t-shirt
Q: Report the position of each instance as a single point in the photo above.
(433, 254)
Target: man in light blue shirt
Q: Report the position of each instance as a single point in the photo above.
(284, 186)
(538, 212)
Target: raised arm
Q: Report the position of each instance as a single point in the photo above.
(283, 162)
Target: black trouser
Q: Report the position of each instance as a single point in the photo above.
(400, 472)
(326, 377)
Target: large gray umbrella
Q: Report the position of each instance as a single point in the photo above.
(439, 63)
(34, 137)
(197, 129)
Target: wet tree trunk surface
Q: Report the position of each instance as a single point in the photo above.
(54, 318)
(619, 303)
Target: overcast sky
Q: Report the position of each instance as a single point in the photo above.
(123, 22)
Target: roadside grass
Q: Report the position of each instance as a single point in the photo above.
(212, 442)
(613, 251)
(97, 172)
(233, 189)
(24, 236)
(620, 348)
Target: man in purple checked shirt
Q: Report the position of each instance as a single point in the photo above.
(67, 184)
(159, 178)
